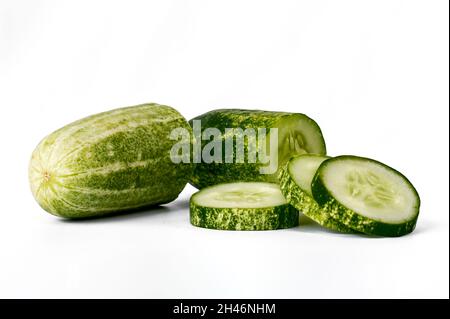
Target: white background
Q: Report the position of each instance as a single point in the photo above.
(373, 74)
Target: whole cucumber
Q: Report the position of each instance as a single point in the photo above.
(109, 162)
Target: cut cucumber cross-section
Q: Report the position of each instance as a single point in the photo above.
(295, 182)
(242, 206)
(298, 134)
(367, 196)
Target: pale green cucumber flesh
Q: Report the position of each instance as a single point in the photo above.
(242, 206)
(297, 134)
(109, 162)
(367, 196)
(295, 183)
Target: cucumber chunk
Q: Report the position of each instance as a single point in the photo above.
(297, 134)
(367, 196)
(242, 206)
(295, 182)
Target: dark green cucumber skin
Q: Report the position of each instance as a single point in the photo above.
(307, 205)
(352, 219)
(217, 173)
(271, 218)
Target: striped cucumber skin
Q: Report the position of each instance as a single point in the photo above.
(267, 213)
(311, 141)
(306, 204)
(109, 162)
(351, 218)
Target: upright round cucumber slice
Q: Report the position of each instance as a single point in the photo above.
(367, 196)
(295, 182)
(242, 206)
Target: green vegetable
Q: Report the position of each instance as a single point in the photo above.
(367, 196)
(109, 162)
(297, 134)
(295, 184)
(242, 206)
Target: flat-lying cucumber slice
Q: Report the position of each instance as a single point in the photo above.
(242, 206)
(295, 182)
(367, 196)
(297, 134)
